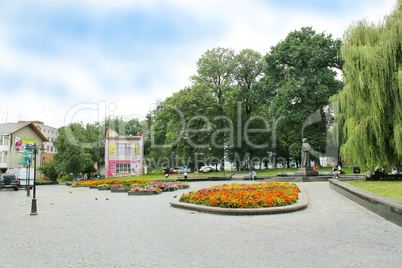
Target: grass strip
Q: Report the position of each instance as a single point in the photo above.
(391, 189)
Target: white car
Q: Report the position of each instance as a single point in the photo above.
(205, 169)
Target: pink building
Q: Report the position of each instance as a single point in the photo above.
(124, 155)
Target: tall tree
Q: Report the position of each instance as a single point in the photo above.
(157, 147)
(249, 67)
(248, 109)
(370, 105)
(192, 124)
(301, 74)
(215, 70)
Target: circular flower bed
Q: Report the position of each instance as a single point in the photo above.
(258, 195)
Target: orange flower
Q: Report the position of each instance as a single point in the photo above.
(245, 195)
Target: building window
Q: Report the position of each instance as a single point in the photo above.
(123, 168)
(51, 149)
(123, 148)
(4, 140)
(47, 148)
(3, 157)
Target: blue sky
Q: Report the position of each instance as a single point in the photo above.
(81, 60)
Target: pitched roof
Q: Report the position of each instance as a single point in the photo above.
(9, 128)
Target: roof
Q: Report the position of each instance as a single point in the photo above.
(9, 128)
(112, 134)
(125, 138)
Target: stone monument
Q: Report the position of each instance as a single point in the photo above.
(305, 169)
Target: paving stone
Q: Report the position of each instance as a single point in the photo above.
(76, 230)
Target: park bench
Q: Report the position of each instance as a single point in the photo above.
(379, 176)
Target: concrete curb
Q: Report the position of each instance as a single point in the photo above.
(388, 208)
(302, 203)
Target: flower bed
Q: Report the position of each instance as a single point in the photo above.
(149, 188)
(111, 182)
(158, 187)
(258, 195)
(133, 185)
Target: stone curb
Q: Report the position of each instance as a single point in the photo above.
(302, 203)
(388, 208)
(47, 183)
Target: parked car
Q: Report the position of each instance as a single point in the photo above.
(9, 181)
(205, 169)
(173, 171)
(183, 169)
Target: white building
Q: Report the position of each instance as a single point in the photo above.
(124, 155)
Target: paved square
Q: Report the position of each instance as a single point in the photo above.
(76, 230)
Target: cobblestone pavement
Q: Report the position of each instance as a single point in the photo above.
(76, 230)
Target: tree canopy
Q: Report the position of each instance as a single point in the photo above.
(300, 77)
(75, 149)
(370, 105)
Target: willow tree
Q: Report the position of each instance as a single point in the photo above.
(369, 106)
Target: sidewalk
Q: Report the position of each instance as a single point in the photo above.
(76, 230)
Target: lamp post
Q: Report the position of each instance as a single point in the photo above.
(29, 160)
(34, 148)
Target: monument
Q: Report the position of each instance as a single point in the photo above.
(305, 169)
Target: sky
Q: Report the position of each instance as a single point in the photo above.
(70, 61)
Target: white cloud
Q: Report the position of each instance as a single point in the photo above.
(85, 71)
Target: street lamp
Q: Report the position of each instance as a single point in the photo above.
(34, 148)
(27, 187)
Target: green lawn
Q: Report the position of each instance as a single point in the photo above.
(391, 189)
(274, 172)
(264, 172)
(173, 176)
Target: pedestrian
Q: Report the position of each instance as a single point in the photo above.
(315, 170)
(253, 174)
(185, 175)
(335, 172)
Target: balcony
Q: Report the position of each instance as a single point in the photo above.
(4, 148)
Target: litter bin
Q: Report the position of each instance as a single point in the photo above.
(356, 170)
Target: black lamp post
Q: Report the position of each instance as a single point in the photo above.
(34, 148)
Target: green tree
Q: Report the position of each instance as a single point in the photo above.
(192, 126)
(215, 70)
(248, 110)
(49, 170)
(370, 105)
(157, 149)
(74, 149)
(249, 67)
(301, 74)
